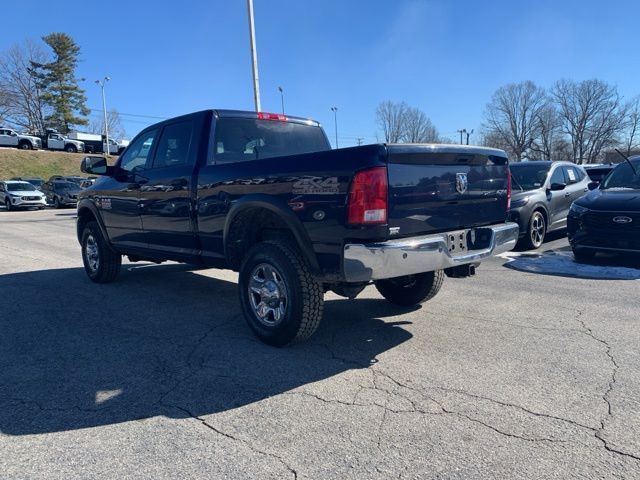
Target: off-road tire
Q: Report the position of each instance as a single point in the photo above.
(411, 289)
(305, 295)
(109, 260)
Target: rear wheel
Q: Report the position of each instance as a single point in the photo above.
(101, 263)
(411, 289)
(281, 300)
(536, 231)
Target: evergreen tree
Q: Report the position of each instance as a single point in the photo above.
(58, 84)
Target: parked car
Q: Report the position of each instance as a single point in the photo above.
(87, 182)
(61, 193)
(607, 219)
(542, 195)
(597, 172)
(35, 181)
(398, 216)
(10, 138)
(17, 194)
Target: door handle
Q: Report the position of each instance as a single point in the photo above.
(566, 194)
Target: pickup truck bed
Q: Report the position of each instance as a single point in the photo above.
(265, 195)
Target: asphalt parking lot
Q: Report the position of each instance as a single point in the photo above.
(524, 371)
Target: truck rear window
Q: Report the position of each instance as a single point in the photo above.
(246, 139)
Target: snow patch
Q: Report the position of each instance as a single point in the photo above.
(562, 263)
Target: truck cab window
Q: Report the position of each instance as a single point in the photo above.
(137, 154)
(174, 145)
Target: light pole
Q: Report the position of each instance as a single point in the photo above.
(254, 56)
(464, 130)
(282, 98)
(104, 112)
(335, 122)
(468, 135)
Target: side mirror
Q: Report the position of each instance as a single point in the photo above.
(593, 185)
(94, 165)
(556, 187)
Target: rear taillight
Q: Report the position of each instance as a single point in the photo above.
(508, 189)
(368, 197)
(272, 116)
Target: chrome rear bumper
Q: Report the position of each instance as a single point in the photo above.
(408, 256)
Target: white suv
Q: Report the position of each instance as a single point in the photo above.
(15, 194)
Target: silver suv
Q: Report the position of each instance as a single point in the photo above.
(16, 194)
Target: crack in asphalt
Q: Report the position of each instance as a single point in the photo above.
(244, 442)
(599, 433)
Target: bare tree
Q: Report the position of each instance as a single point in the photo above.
(631, 138)
(21, 95)
(512, 116)
(548, 133)
(417, 127)
(391, 117)
(114, 122)
(592, 116)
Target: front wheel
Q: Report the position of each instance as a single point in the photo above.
(101, 263)
(411, 289)
(7, 204)
(536, 231)
(25, 146)
(71, 149)
(57, 203)
(281, 300)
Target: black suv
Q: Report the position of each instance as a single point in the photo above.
(61, 193)
(608, 218)
(542, 195)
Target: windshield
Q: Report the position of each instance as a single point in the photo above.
(622, 177)
(242, 139)
(67, 185)
(20, 187)
(35, 183)
(528, 177)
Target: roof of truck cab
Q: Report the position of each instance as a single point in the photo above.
(252, 114)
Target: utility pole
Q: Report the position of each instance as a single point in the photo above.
(468, 135)
(254, 56)
(282, 98)
(464, 130)
(359, 140)
(104, 112)
(335, 122)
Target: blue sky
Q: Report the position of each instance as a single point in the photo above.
(444, 57)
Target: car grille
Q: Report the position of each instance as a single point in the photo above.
(73, 197)
(30, 198)
(603, 222)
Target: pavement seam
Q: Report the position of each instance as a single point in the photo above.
(599, 433)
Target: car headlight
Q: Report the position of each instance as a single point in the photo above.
(520, 202)
(578, 209)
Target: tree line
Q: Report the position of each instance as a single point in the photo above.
(39, 89)
(577, 121)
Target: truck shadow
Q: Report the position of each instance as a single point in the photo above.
(162, 340)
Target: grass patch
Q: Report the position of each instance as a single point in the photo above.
(38, 163)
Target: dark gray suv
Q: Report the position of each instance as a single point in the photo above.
(542, 195)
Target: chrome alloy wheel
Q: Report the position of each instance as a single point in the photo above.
(538, 229)
(91, 253)
(268, 294)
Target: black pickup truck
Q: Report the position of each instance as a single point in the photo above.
(265, 195)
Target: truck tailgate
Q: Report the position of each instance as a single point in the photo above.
(437, 188)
